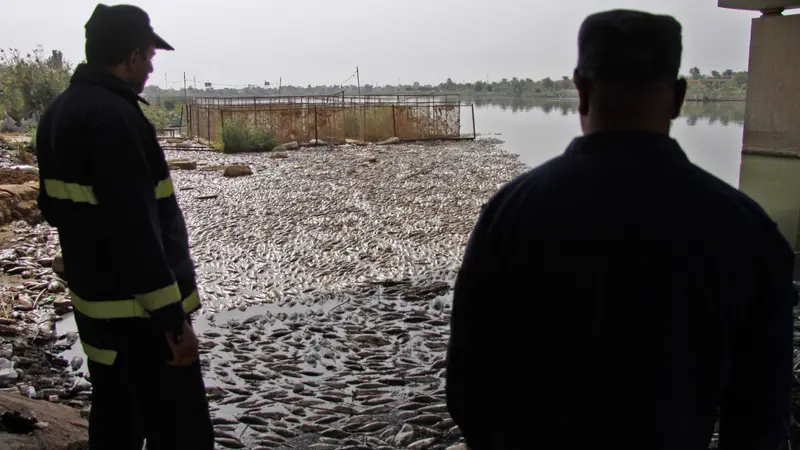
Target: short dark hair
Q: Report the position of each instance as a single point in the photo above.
(110, 53)
(629, 46)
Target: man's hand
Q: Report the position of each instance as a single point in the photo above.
(184, 349)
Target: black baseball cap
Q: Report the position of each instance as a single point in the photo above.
(625, 45)
(126, 23)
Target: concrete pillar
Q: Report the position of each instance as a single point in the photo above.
(770, 171)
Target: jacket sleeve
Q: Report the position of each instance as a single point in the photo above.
(124, 189)
(755, 411)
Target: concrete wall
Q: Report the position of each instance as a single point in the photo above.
(772, 118)
(758, 5)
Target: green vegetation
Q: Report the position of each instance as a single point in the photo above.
(32, 135)
(28, 83)
(158, 116)
(242, 136)
(717, 85)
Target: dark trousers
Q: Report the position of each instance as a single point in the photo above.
(142, 398)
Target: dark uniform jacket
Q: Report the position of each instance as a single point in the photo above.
(620, 297)
(106, 186)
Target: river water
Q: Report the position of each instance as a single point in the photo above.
(710, 134)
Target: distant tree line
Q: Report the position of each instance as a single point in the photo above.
(716, 85)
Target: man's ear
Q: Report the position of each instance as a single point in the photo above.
(681, 86)
(584, 87)
(132, 59)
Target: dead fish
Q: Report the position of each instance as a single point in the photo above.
(253, 420)
(423, 444)
(230, 443)
(334, 433)
(425, 419)
(373, 426)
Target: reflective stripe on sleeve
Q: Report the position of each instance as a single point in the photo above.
(160, 298)
(164, 188)
(70, 191)
(85, 194)
(124, 309)
(98, 355)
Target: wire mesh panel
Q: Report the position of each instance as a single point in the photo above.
(331, 118)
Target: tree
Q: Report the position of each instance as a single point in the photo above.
(548, 83)
(728, 73)
(695, 73)
(715, 74)
(740, 78)
(517, 87)
(31, 82)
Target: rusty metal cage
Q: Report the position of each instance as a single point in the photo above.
(332, 118)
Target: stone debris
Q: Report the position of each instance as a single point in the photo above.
(287, 146)
(390, 141)
(182, 164)
(237, 171)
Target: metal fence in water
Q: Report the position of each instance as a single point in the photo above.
(334, 118)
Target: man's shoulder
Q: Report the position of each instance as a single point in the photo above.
(713, 189)
(96, 103)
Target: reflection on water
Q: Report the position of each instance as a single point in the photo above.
(710, 133)
(723, 113)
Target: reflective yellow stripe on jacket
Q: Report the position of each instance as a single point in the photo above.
(119, 309)
(101, 356)
(123, 309)
(70, 191)
(85, 194)
(164, 188)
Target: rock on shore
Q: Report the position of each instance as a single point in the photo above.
(39, 425)
(18, 202)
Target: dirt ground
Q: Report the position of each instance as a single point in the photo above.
(13, 176)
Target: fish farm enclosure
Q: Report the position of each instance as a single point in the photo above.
(333, 119)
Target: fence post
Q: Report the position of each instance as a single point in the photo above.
(316, 132)
(208, 124)
(394, 123)
(474, 133)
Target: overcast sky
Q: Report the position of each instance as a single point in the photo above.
(322, 41)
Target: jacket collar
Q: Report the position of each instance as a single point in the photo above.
(633, 143)
(87, 73)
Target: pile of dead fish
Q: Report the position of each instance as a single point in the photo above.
(321, 221)
(37, 294)
(32, 299)
(342, 261)
(364, 370)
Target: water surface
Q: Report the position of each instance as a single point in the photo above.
(710, 133)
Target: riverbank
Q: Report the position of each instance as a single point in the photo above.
(326, 279)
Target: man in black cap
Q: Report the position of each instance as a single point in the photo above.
(105, 184)
(618, 296)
